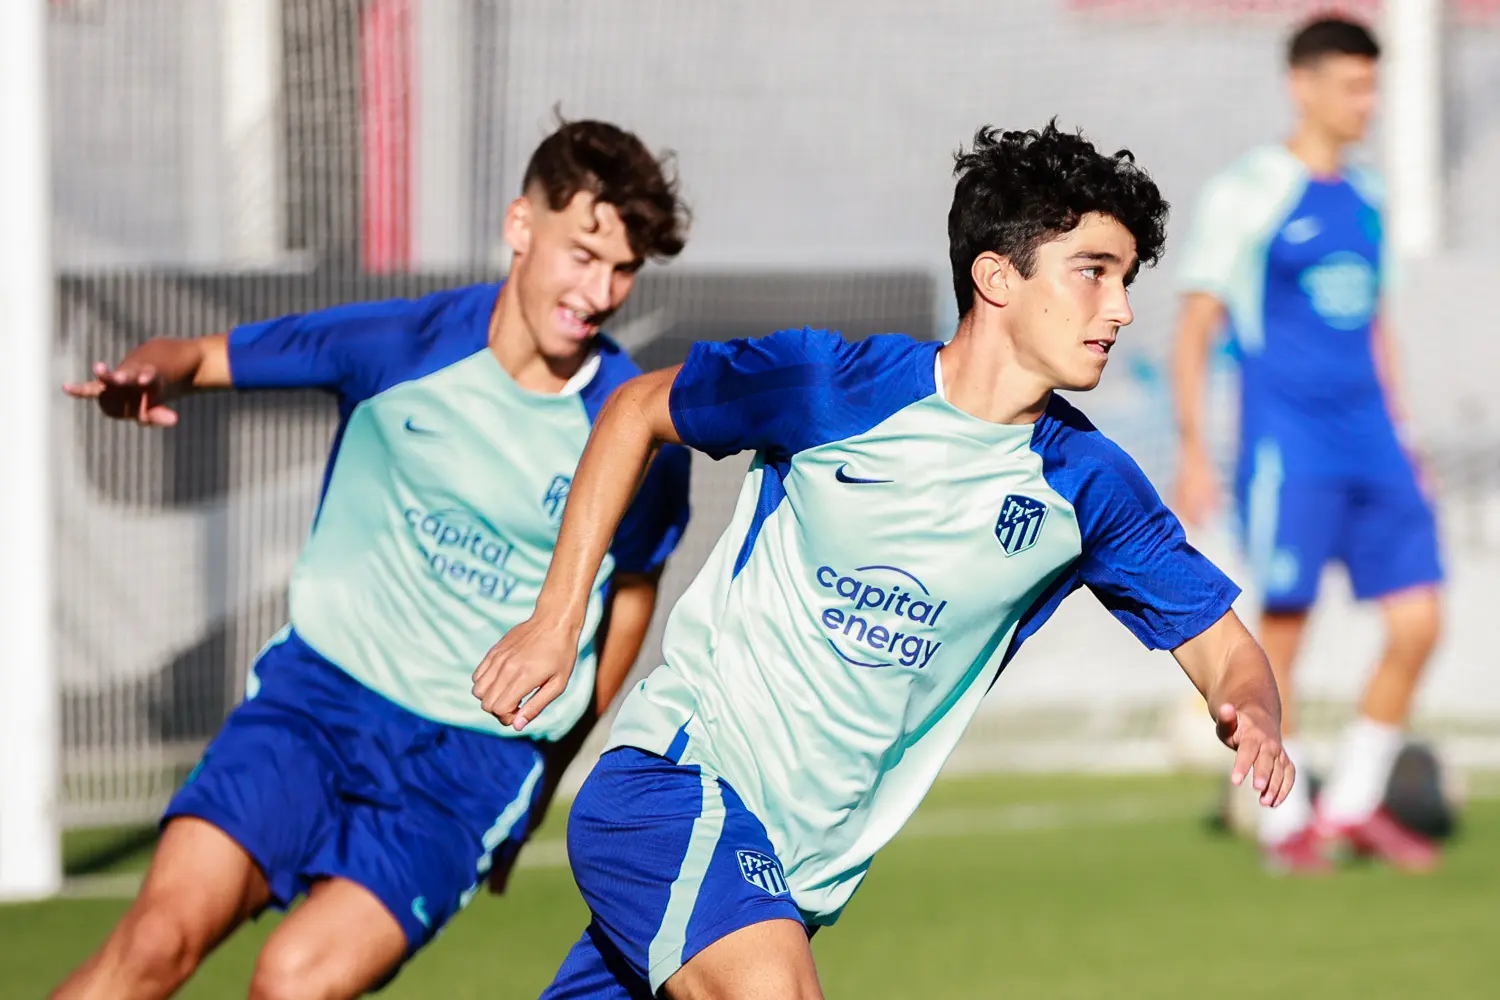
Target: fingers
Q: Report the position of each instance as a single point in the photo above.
(534, 705)
(160, 416)
(1289, 777)
(1267, 759)
(84, 390)
(1244, 760)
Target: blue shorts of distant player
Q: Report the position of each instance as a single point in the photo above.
(1379, 525)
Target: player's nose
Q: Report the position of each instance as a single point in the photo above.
(597, 287)
(1117, 308)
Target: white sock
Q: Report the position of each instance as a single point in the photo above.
(1361, 772)
(1296, 813)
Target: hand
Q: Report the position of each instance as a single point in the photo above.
(1196, 494)
(1256, 740)
(134, 391)
(535, 658)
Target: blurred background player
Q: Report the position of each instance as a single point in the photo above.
(821, 668)
(359, 770)
(1286, 251)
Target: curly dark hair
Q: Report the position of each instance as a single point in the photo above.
(1018, 190)
(615, 167)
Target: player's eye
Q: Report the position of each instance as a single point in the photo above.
(1092, 273)
(582, 256)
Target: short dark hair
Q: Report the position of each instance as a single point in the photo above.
(1330, 36)
(1018, 190)
(616, 168)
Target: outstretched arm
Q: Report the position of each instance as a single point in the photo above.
(1231, 672)
(155, 373)
(539, 654)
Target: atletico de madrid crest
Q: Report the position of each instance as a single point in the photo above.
(1020, 523)
(763, 871)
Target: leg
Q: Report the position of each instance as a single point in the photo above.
(234, 838)
(771, 960)
(337, 945)
(1413, 621)
(1393, 558)
(1281, 637)
(200, 887)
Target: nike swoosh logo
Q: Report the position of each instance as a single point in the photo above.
(1301, 230)
(844, 477)
(417, 430)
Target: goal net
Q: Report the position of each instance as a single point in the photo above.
(220, 161)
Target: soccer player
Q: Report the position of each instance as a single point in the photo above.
(914, 512)
(1286, 250)
(359, 771)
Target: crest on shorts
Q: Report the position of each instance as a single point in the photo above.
(762, 871)
(1020, 523)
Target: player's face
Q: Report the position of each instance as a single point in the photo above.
(1068, 313)
(1337, 94)
(573, 268)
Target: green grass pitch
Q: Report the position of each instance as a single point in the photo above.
(1009, 887)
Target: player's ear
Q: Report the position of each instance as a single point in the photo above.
(1301, 81)
(993, 275)
(519, 219)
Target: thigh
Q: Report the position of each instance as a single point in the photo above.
(460, 797)
(771, 960)
(1292, 527)
(341, 942)
(200, 886)
(670, 861)
(1391, 542)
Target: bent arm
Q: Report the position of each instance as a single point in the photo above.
(631, 425)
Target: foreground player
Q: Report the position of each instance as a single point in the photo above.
(1286, 247)
(914, 512)
(359, 770)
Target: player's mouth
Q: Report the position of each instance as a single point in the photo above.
(1099, 347)
(576, 324)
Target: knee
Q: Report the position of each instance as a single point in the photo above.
(286, 970)
(1414, 631)
(157, 945)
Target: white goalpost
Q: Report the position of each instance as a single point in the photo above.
(30, 852)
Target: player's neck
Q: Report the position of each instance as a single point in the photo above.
(1321, 153)
(515, 348)
(983, 377)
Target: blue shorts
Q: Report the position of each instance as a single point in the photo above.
(317, 776)
(1380, 526)
(669, 861)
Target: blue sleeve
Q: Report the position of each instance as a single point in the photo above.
(345, 349)
(657, 517)
(1137, 560)
(795, 389)
(753, 394)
